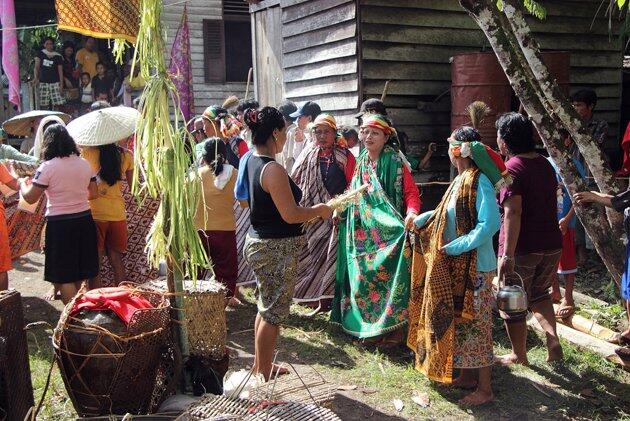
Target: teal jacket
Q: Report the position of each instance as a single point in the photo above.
(9, 152)
(480, 237)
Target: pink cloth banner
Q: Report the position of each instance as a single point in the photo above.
(10, 60)
(181, 68)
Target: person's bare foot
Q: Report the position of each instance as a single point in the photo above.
(554, 353)
(477, 398)
(461, 383)
(234, 302)
(510, 359)
(51, 295)
(279, 370)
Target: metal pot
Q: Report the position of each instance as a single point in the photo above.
(512, 298)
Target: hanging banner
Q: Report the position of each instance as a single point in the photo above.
(10, 61)
(180, 68)
(100, 19)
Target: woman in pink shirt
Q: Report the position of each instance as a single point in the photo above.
(68, 182)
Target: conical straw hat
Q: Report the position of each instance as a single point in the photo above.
(105, 126)
(20, 125)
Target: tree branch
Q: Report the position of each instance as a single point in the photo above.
(525, 84)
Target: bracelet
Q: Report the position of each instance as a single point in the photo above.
(506, 257)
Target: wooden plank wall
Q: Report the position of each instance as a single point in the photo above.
(411, 43)
(320, 60)
(198, 10)
(267, 35)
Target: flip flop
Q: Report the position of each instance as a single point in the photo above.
(565, 312)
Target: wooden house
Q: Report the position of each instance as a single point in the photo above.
(340, 52)
(220, 43)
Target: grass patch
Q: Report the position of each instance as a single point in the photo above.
(612, 316)
(585, 387)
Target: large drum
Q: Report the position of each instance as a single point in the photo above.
(113, 364)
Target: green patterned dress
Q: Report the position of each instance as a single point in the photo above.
(373, 257)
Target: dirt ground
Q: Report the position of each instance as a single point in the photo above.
(584, 388)
(27, 277)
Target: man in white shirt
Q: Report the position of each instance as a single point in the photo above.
(285, 158)
(304, 115)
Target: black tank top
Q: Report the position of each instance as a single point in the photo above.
(264, 215)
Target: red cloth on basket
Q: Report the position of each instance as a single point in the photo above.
(121, 300)
(625, 146)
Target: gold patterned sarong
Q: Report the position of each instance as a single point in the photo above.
(100, 19)
(442, 288)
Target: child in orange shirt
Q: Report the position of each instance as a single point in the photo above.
(5, 250)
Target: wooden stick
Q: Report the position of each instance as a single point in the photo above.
(384, 94)
(249, 79)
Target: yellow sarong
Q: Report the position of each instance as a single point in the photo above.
(441, 285)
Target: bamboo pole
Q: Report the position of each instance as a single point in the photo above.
(588, 326)
(585, 341)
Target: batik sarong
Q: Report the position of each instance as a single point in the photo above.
(25, 229)
(317, 262)
(373, 256)
(140, 216)
(245, 273)
(442, 287)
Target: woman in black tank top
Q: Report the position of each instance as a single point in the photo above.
(275, 237)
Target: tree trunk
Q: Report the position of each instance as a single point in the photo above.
(531, 93)
(556, 100)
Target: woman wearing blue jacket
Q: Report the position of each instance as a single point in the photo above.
(450, 308)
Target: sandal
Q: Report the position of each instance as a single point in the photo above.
(565, 312)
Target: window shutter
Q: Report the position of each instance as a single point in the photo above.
(214, 51)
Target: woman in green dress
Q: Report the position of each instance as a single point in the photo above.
(373, 256)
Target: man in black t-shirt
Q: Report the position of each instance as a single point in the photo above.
(48, 75)
(102, 83)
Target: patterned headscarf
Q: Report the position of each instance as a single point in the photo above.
(488, 161)
(379, 122)
(228, 125)
(329, 120)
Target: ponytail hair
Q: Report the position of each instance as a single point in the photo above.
(110, 159)
(214, 152)
(262, 123)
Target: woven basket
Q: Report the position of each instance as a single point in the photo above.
(16, 390)
(130, 371)
(204, 306)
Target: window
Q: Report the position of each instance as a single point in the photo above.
(228, 44)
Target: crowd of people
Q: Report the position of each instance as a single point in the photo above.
(388, 272)
(71, 80)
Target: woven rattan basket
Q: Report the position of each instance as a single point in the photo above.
(117, 373)
(204, 308)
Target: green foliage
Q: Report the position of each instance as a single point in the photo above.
(609, 315)
(533, 7)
